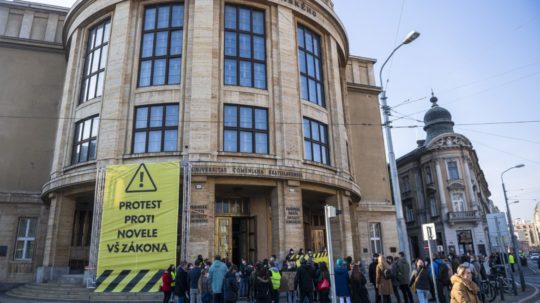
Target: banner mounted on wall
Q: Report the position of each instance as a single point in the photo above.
(138, 226)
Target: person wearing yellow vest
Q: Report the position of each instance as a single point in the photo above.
(511, 261)
(276, 281)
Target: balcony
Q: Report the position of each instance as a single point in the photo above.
(472, 216)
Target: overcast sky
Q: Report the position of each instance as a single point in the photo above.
(481, 58)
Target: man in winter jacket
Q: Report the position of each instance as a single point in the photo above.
(402, 276)
(303, 281)
(181, 286)
(216, 274)
(193, 279)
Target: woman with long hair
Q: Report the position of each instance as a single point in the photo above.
(322, 274)
(383, 279)
(463, 287)
(357, 283)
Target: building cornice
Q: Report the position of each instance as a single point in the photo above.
(29, 44)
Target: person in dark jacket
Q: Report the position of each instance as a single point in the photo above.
(420, 281)
(262, 286)
(230, 286)
(166, 281)
(341, 277)
(372, 277)
(395, 283)
(181, 286)
(303, 281)
(357, 285)
(323, 273)
(193, 279)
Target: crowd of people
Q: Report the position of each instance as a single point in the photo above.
(302, 280)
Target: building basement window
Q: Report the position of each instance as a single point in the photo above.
(316, 141)
(97, 49)
(26, 236)
(156, 129)
(84, 143)
(245, 47)
(161, 46)
(309, 62)
(245, 129)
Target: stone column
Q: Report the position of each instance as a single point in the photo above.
(90, 271)
(287, 218)
(468, 180)
(442, 191)
(202, 230)
(58, 239)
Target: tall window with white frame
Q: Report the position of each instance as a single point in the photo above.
(458, 201)
(245, 129)
(375, 238)
(245, 47)
(26, 236)
(85, 140)
(309, 62)
(316, 141)
(155, 129)
(161, 45)
(97, 49)
(453, 172)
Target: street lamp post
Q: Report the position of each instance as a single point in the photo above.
(514, 241)
(401, 228)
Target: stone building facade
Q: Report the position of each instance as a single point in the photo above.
(527, 235)
(32, 66)
(441, 182)
(261, 97)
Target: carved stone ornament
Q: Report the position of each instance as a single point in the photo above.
(449, 141)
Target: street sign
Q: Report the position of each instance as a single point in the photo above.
(428, 230)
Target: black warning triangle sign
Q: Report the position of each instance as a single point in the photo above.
(141, 181)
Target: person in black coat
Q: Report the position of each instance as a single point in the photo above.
(357, 285)
(304, 280)
(372, 278)
(181, 286)
(230, 286)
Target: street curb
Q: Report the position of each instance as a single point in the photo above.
(534, 295)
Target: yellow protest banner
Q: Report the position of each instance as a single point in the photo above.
(138, 226)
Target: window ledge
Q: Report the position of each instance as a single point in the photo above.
(247, 155)
(79, 165)
(154, 88)
(245, 89)
(153, 155)
(321, 165)
(314, 105)
(88, 103)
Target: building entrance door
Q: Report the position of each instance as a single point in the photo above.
(235, 238)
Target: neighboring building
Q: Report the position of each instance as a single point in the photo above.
(32, 68)
(262, 97)
(527, 234)
(441, 181)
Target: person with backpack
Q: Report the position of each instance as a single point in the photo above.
(262, 287)
(395, 283)
(323, 283)
(402, 276)
(230, 286)
(303, 281)
(383, 279)
(275, 276)
(341, 278)
(419, 282)
(442, 277)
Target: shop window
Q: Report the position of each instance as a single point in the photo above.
(156, 129)
(85, 141)
(453, 173)
(97, 49)
(26, 236)
(375, 238)
(245, 129)
(161, 45)
(309, 63)
(245, 47)
(316, 142)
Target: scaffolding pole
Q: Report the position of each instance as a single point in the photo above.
(186, 206)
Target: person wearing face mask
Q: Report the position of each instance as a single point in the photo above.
(420, 281)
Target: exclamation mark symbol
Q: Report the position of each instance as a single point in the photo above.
(141, 176)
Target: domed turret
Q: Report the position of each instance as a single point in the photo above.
(437, 120)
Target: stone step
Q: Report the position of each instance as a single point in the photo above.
(71, 279)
